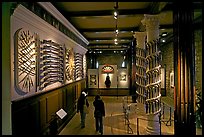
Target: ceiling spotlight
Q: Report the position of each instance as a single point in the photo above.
(116, 11)
(115, 40)
(115, 15)
(164, 34)
(116, 31)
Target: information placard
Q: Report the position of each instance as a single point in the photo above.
(61, 113)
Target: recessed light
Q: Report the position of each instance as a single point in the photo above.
(164, 34)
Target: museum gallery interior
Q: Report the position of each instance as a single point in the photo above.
(140, 54)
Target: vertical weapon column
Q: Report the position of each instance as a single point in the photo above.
(51, 66)
(140, 74)
(79, 65)
(84, 66)
(153, 87)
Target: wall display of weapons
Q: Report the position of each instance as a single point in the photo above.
(38, 64)
(153, 79)
(78, 65)
(84, 66)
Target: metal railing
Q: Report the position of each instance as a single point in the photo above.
(126, 111)
(133, 123)
(163, 114)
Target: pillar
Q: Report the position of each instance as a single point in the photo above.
(184, 70)
(140, 65)
(132, 71)
(7, 8)
(153, 74)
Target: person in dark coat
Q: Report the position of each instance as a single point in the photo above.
(108, 82)
(99, 113)
(80, 107)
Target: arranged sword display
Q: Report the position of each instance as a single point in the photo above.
(25, 60)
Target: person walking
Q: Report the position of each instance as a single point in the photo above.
(82, 107)
(99, 113)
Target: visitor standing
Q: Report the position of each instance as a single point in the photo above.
(99, 113)
(82, 106)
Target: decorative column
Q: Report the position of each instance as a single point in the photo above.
(140, 66)
(184, 70)
(153, 85)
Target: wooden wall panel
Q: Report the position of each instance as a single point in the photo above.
(52, 106)
(69, 100)
(64, 98)
(32, 116)
(43, 111)
(21, 117)
(60, 97)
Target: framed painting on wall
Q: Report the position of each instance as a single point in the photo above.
(122, 77)
(92, 79)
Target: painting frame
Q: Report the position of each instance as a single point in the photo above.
(172, 79)
(122, 77)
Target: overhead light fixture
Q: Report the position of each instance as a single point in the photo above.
(116, 11)
(115, 14)
(116, 31)
(116, 21)
(164, 34)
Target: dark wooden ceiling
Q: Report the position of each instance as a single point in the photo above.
(95, 20)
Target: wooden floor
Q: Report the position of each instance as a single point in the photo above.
(114, 121)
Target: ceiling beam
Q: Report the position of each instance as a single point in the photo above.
(109, 38)
(156, 7)
(106, 12)
(109, 43)
(108, 29)
(108, 47)
(128, 29)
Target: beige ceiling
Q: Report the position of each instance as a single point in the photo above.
(94, 20)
